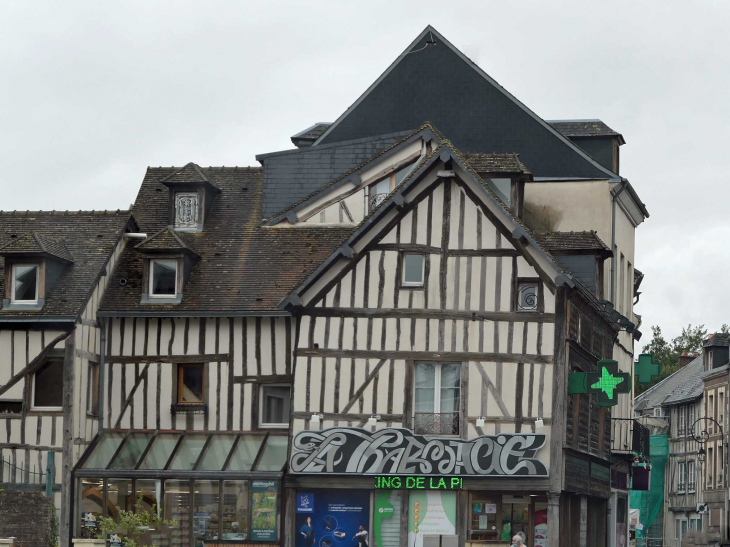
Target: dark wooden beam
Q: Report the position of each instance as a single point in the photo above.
(36, 363)
(142, 359)
(420, 313)
(267, 379)
(343, 416)
(425, 355)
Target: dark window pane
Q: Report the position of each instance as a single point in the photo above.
(160, 452)
(235, 510)
(91, 505)
(276, 401)
(131, 451)
(11, 407)
(413, 269)
(164, 273)
(47, 385)
(26, 282)
(190, 386)
(206, 525)
(119, 495)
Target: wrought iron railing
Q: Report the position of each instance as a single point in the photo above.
(445, 423)
(14, 477)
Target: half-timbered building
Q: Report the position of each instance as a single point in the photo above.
(371, 333)
(54, 271)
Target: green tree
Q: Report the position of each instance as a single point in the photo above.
(133, 525)
(667, 352)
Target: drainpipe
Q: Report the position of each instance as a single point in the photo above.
(102, 351)
(613, 240)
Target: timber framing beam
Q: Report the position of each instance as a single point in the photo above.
(416, 313)
(36, 363)
(425, 355)
(174, 359)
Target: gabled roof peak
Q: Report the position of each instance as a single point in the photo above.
(166, 239)
(35, 243)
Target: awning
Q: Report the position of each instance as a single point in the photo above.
(175, 454)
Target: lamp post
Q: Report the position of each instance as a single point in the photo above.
(701, 439)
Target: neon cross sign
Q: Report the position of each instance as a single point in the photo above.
(606, 383)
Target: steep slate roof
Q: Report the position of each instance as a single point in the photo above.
(166, 240)
(243, 267)
(567, 242)
(585, 128)
(719, 339)
(291, 175)
(34, 243)
(88, 237)
(426, 131)
(440, 84)
(658, 394)
(690, 386)
(496, 163)
(310, 134)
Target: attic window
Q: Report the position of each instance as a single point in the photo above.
(25, 284)
(163, 278)
(186, 210)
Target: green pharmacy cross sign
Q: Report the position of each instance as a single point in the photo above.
(606, 383)
(646, 369)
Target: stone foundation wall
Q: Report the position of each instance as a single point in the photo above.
(26, 516)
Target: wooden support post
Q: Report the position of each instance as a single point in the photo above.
(68, 441)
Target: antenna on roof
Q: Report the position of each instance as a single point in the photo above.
(429, 42)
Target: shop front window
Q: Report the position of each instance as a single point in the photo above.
(91, 506)
(483, 516)
(206, 507)
(235, 510)
(177, 507)
(118, 496)
(515, 516)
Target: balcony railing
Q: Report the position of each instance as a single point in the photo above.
(436, 424)
(629, 437)
(375, 199)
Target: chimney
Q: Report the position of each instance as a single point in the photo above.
(685, 358)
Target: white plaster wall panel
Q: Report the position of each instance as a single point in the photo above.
(314, 385)
(490, 285)
(433, 282)
(422, 223)
(406, 228)
(356, 205)
(359, 276)
(437, 207)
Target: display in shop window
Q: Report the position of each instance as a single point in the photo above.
(395, 451)
(332, 517)
(264, 495)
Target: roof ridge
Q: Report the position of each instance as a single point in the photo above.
(67, 212)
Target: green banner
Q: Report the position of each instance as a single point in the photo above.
(264, 495)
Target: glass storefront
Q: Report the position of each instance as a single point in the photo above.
(230, 491)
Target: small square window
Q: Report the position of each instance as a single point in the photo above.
(527, 296)
(413, 269)
(275, 405)
(163, 278)
(191, 384)
(186, 210)
(46, 392)
(25, 284)
(11, 407)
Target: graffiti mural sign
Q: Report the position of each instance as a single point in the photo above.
(394, 451)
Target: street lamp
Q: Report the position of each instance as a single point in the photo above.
(701, 455)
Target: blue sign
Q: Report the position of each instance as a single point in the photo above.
(305, 503)
(334, 520)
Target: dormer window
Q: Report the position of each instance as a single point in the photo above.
(24, 288)
(186, 210)
(163, 278)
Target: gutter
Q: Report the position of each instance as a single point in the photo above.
(43, 319)
(230, 313)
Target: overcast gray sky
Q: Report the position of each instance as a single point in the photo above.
(91, 93)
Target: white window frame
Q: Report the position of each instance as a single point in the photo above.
(436, 386)
(681, 423)
(152, 277)
(698, 524)
(681, 477)
(37, 267)
(658, 412)
(33, 406)
(690, 418)
(267, 425)
(405, 283)
(691, 477)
